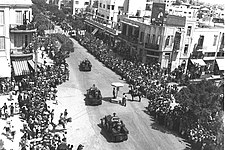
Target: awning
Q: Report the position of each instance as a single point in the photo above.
(220, 63)
(5, 70)
(198, 61)
(94, 31)
(20, 67)
(31, 62)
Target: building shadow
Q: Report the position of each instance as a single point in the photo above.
(159, 127)
(111, 100)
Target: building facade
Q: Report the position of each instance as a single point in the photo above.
(208, 44)
(80, 5)
(15, 32)
(168, 45)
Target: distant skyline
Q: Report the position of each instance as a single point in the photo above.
(213, 1)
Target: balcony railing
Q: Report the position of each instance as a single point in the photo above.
(130, 38)
(22, 28)
(152, 46)
(103, 24)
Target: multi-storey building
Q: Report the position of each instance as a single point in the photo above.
(15, 35)
(163, 44)
(208, 44)
(79, 5)
(112, 9)
(186, 10)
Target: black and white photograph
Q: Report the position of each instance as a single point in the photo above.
(112, 74)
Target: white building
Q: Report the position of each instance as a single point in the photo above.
(111, 9)
(80, 5)
(14, 34)
(210, 42)
(183, 10)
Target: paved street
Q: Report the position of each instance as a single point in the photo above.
(144, 134)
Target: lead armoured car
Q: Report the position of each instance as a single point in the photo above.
(115, 128)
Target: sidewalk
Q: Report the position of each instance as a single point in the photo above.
(15, 121)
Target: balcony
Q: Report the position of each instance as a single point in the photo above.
(151, 46)
(131, 39)
(29, 28)
(102, 25)
(22, 51)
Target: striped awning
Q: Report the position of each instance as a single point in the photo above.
(31, 62)
(20, 67)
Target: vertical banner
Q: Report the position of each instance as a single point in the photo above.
(158, 14)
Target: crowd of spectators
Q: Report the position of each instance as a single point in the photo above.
(153, 82)
(32, 91)
(39, 130)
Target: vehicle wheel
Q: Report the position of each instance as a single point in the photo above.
(125, 138)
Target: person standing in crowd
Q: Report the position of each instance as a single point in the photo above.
(16, 88)
(124, 100)
(52, 115)
(114, 93)
(65, 113)
(11, 109)
(62, 120)
(4, 107)
(13, 132)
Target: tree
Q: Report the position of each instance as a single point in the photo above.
(203, 103)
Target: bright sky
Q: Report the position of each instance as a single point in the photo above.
(213, 1)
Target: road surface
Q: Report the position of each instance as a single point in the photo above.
(144, 134)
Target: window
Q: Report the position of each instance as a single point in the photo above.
(108, 6)
(100, 4)
(215, 39)
(76, 2)
(153, 39)
(86, 3)
(1, 17)
(19, 17)
(186, 48)
(142, 37)
(113, 7)
(167, 41)
(148, 38)
(210, 54)
(148, 7)
(189, 31)
(200, 42)
(220, 54)
(171, 40)
(111, 18)
(148, 0)
(103, 5)
(124, 29)
(2, 43)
